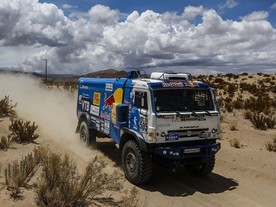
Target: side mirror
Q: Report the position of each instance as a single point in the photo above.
(140, 100)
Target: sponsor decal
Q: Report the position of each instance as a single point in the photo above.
(97, 99)
(116, 97)
(106, 126)
(191, 84)
(172, 84)
(85, 105)
(108, 101)
(105, 115)
(109, 87)
(80, 98)
(95, 110)
(171, 137)
(82, 86)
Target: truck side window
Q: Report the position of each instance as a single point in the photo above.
(141, 100)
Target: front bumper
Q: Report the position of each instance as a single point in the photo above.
(183, 152)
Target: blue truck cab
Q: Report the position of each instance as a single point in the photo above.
(168, 119)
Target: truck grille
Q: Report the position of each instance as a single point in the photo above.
(190, 132)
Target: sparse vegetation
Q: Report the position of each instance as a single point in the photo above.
(270, 121)
(5, 142)
(132, 199)
(233, 125)
(61, 185)
(17, 174)
(23, 132)
(271, 145)
(235, 143)
(248, 114)
(259, 121)
(7, 107)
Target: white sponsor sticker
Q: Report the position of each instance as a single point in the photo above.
(109, 87)
(95, 110)
(191, 150)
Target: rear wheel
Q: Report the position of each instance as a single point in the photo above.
(87, 135)
(202, 169)
(137, 164)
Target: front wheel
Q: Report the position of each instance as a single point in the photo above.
(137, 164)
(202, 169)
(87, 135)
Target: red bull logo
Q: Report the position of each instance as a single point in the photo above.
(191, 84)
(108, 102)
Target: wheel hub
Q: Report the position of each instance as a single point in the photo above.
(83, 134)
(131, 162)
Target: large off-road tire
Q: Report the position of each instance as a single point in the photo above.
(87, 135)
(137, 164)
(202, 169)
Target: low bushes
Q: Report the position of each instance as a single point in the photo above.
(7, 107)
(235, 143)
(271, 145)
(5, 142)
(60, 183)
(263, 122)
(23, 132)
(17, 174)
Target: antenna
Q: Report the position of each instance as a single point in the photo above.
(46, 72)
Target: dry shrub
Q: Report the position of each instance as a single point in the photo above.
(23, 132)
(271, 145)
(235, 143)
(5, 142)
(248, 114)
(6, 107)
(233, 125)
(61, 185)
(238, 104)
(17, 174)
(259, 121)
(270, 121)
(132, 200)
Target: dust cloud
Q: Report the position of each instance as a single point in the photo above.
(53, 110)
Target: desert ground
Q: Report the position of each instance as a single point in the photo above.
(243, 175)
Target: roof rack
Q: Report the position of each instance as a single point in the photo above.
(170, 75)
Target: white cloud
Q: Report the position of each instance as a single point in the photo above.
(99, 40)
(256, 16)
(68, 6)
(190, 12)
(273, 6)
(229, 4)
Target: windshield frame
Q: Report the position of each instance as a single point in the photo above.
(195, 109)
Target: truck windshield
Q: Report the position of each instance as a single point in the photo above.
(172, 100)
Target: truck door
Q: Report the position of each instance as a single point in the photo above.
(139, 112)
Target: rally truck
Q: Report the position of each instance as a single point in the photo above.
(167, 119)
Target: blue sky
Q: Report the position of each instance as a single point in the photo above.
(216, 36)
(235, 9)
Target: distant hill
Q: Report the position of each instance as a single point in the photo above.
(109, 73)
